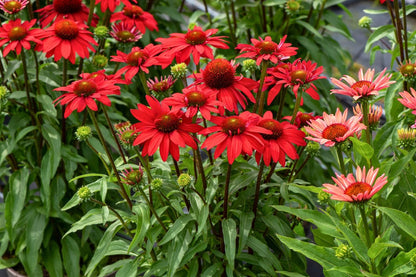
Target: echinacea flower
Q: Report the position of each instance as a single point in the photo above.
(126, 133)
(125, 33)
(406, 138)
(138, 59)
(239, 134)
(134, 15)
(160, 128)
(356, 189)
(194, 43)
(299, 74)
(13, 6)
(302, 119)
(365, 87)
(83, 93)
(267, 50)
(19, 34)
(374, 114)
(407, 69)
(219, 78)
(332, 129)
(280, 143)
(132, 177)
(64, 9)
(160, 86)
(65, 38)
(408, 100)
(194, 99)
(111, 4)
(382, 1)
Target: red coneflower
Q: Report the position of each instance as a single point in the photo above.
(280, 143)
(63, 9)
(356, 189)
(365, 87)
(160, 128)
(302, 119)
(194, 99)
(332, 129)
(13, 6)
(125, 33)
(83, 93)
(219, 78)
(65, 38)
(115, 78)
(19, 34)
(134, 15)
(239, 134)
(295, 75)
(194, 43)
(408, 99)
(138, 59)
(160, 86)
(267, 50)
(111, 4)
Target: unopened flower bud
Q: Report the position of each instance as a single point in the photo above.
(365, 22)
(156, 184)
(132, 177)
(84, 193)
(323, 196)
(179, 70)
(250, 66)
(83, 133)
(408, 69)
(3, 95)
(292, 6)
(184, 179)
(312, 148)
(101, 32)
(407, 138)
(99, 60)
(343, 251)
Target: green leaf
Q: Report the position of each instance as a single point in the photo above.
(263, 251)
(129, 269)
(52, 258)
(398, 166)
(71, 256)
(176, 228)
(401, 219)
(143, 224)
(34, 237)
(377, 247)
(103, 246)
(229, 231)
(176, 252)
(87, 175)
(309, 27)
(401, 264)
(362, 148)
(213, 270)
(12, 66)
(378, 34)
(271, 3)
(246, 220)
(92, 217)
(47, 104)
(325, 256)
(367, 11)
(202, 219)
(321, 220)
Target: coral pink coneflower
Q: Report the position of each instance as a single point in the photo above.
(332, 129)
(160, 86)
(194, 99)
(365, 86)
(83, 93)
(64, 9)
(219, 78)
(13, 6)
(356, 189)
(239, 134)
(295, 75)
(374, 114)
(19, 34)
(65, 38)
(138, 59)
(280, 143)
(194, 43)
(160, 128)
(408, 99)
(111, 4)
(267, 50)
(134, 15)
(125, 33)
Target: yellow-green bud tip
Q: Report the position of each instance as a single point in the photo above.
(101, 31)
(84, 193)
(179, 70)
(343, 251)
(83, 133)
(250, 65)
(156, 184)
(184, 179)
(99, 60)
(365, 22)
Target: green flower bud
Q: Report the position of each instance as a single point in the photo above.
(100, 60)
(312, 148)
(3, 95)
(343, 251)
(407, 138)
(101, 32)
(365, 22)
(84, 193)
(83, 133)
(132, 177)
(179, 70)
(323, 196)
(292, 6)
(250, 66)
(156, 184)
(184, 179)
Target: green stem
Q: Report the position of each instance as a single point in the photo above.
(340, 159)
(261, 95)
(374, 222)
(99, 156)
(152, 209)
(365, 107)
(143, 81)
(230, 28)
(321, 11)
(297, 105)
(110, 125)
(116, 214)
(64, 80)
(145, 164)
(257, 193)
(399, 29)
(107, 151)
(365, 224)
(406, 50)
(281, 103)
(201, 171)
(226, 191)
(91, 12)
